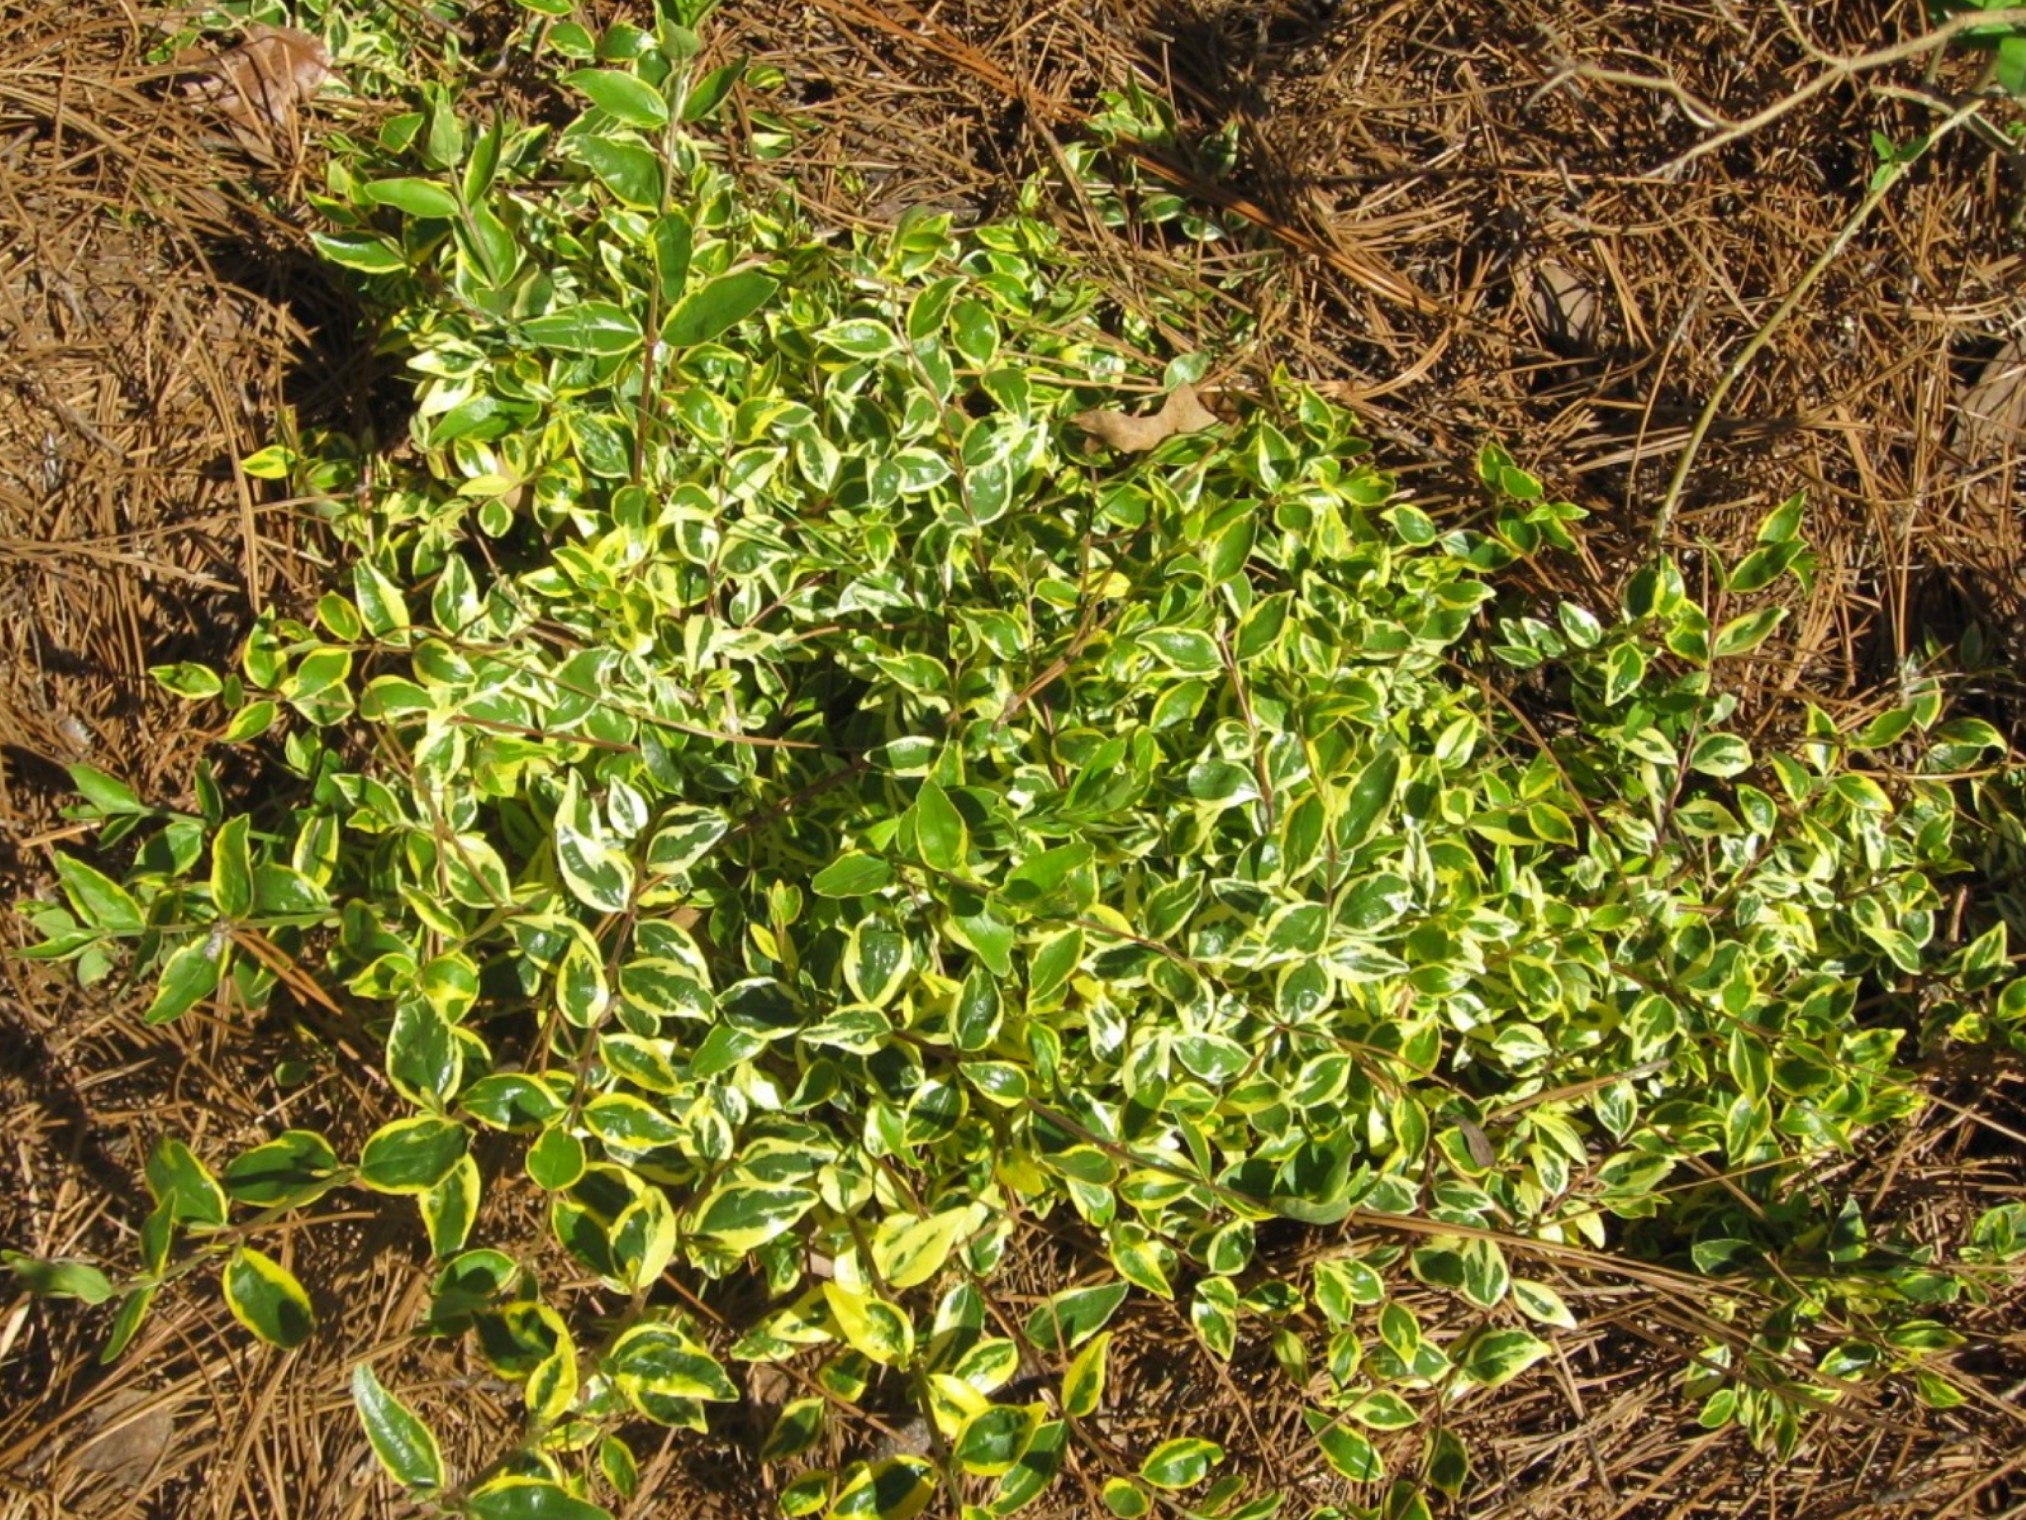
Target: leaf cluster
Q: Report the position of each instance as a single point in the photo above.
(763, 763)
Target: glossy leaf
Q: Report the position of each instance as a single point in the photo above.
(265, 1297)
(294, 1167)
(1180, 1463)
(406, 1447)
(621, 96)
(716, 307)
(517, 1498)
(1073, 1316)
(411, 1155)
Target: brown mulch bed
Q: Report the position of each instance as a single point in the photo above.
(1448, 214)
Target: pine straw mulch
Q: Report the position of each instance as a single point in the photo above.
(1482, 249)
(1456, 228)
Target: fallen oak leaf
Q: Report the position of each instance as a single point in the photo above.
(258, 84)
(1182, 412)
(1565, 310)
(1991, 417)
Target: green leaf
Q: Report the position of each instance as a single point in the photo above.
(598, 875)
(189, 975)
(1083, 1383)
(629, 171)
(1888, 728)
(1185, 650)
(895, 1488)
(295, 1166)
(853, 875)
(483, 164)
(232, 868)
(418, 197)
(266, 1298)
(424, 1058)
(909, 1252)
(1345, 1449)
(317, 672)
(2009, 67)
(1624, 670)
(1126, 1499)
(672, 241)
(992, 1441)
(1783, 524)
(196, 683)
(590, 327)
(872, 1325)
(518, 1498)
(796, 1429)
(1230, 1249)
(1923, 1335)
(1760, 568)
(250, 722)
(1065, 869)
(1213, 1313)
(556, 1160)
(133, 1313)
(1542, 1304)
(1448, 1463)
(717, 307)
(443, 145)
(382, 608)
(940, 834)
(1495, 1357)
(110, 795)
(59, 1278)
(1723, 755)
(490, 242)
(621, 96)
(1383, 1410)
(411, 1155)
(660, 1360)
(184, 1186)
(1035, 1471)
(1343, 1285)
(511, 1101)
(1653, 590)
(710, 91)
(451, 1208)
(743, 1216)
(551, 1389)
(1181, 1463)
(1371, 796)
(98, 899)
(406, 1447)
(877, 960)
(1073, 1316)
(360, 251)
(722, 1049)
(1741, 635)
(685, 837)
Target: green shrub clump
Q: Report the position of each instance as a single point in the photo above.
(768, 761)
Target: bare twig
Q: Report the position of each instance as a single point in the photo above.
(1881, 186)
(1836, 70)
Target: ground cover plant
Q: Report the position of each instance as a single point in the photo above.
(766, 758)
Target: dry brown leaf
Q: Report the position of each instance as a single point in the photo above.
(1182, 412)
(259, 84)
(126, 1438)
(1992, 415)
(1565, 309)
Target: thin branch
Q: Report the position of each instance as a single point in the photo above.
(1882, 186)
(1835, 72)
